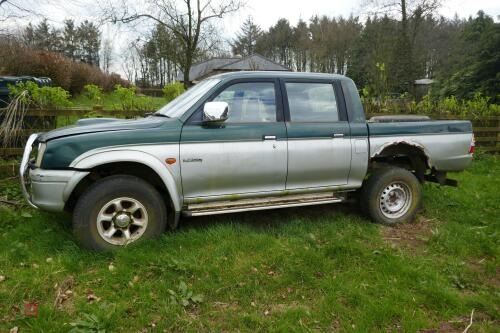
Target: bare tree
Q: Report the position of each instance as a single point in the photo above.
(188, 20)
(107, 55)
(414, 10)
(15, 9)
(129, 63)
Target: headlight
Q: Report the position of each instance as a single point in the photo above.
(39, 155)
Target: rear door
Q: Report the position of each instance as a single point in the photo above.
(247, 154)
(319, 145)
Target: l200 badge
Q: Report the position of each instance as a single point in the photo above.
(188, 160)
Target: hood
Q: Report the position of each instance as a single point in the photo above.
(94, 125)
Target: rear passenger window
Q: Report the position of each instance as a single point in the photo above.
(312, 102)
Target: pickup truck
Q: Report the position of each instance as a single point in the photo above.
(239, 142)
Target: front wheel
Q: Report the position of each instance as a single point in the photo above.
(391, 195)
(116, 211)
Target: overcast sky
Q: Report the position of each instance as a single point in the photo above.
(264, 12)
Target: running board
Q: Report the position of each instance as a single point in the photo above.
(245, 205)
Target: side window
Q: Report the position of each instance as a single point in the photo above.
(312, 102)
(250, 102)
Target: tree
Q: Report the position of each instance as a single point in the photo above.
(301, 46)
(89, 38)
(70, 38)
(107, 55)
(411, 14)
(189, 22)
(246, 39)
(276, 43)
(477, 70)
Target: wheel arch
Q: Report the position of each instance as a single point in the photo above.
(130, 162)
(409, 154)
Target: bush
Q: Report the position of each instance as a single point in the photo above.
(173, 90)
(18, 60)
(93, 93)
(126, 96)
(42, 97)
(130, 101)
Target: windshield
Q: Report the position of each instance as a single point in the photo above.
(182, 103)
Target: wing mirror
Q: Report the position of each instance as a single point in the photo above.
(215, 112)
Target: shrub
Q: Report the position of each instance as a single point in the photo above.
(93, 93)
(65, 73)
(130, 101)
(477, 107)
(42, 97)
(126, 96)
(173, 90)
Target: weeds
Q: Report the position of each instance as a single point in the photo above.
(13, 118)
(88, 323)
(183, 296)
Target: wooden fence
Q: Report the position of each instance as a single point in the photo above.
(486, 129)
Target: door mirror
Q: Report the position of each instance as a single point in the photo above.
(215, 112)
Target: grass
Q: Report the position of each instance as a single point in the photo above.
(322, 268)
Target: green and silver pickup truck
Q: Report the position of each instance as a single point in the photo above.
(239, 142)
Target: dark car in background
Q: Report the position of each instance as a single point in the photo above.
(5, 81)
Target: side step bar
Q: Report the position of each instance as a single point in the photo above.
(245, 205)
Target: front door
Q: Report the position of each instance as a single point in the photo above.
(319, 145)
(247, 154)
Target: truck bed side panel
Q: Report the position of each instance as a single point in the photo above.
(446, 143)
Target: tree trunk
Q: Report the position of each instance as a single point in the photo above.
(185, 71)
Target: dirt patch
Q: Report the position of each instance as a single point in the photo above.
(410, 235)
(286, 307)
(462, 324)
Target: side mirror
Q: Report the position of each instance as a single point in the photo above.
(215, 112)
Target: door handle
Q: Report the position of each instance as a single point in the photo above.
(269, 137)
(338, 135)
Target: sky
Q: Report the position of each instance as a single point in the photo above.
(264, 12)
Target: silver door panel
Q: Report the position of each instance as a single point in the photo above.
(318, 162)
(222, 168)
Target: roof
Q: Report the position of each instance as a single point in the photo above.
(252, 62)
(200, 69)
(278, 74)
(255, 62)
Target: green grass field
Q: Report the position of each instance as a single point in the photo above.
(323, 268)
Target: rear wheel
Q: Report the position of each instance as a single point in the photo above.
(117, 211)
(391, 195)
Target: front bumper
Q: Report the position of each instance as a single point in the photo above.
(46, 189)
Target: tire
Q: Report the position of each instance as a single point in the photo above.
(391, 195)
(131, 206)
